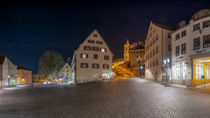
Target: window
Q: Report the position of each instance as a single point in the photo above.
(183, 51)
(106, 57)
(83, 56)
(169, 35)
(177, 36)
(177, 50)
(95, 56)
(95, 48)
(184, 33)
(105, 66)
(156, 37)
(206, 24)
(196, 43)
(150, 54)
(156, 50)
(103, 50)
(94, 65)
(87, 48)
(99, 42)
(91, 41)
(153, 63)
(153, 52)
(196, 27)
(169, 47)
(206, 41)
(95, 35)
(84, 65)
(150, 43)
(156, 62)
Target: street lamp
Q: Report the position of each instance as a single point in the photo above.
(167, 66)
(8, 79)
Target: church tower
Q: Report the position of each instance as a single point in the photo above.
(126, 51)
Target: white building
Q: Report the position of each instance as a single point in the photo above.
(157, 49)
(191, 50)
(66, 74)
(8, 72)
(92, 60)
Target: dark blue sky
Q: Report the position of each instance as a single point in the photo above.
(29, 29)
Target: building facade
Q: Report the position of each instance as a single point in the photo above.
(8, 72)
(157, 49)
(134, 56)
(24, 76)
(191, 50)
(92, 60)
(66, 74)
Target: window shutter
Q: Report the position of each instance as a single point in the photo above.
(80, 55)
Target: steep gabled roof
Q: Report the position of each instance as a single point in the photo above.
(2, 58)
(164, 26)
(22, 68)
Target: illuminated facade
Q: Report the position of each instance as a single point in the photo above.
(66, 74)
(92, 60)
(8, 72)
(157, 49)
(134, 56)
(24, 76)
(191, 50)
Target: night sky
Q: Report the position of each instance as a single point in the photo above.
(27, 30)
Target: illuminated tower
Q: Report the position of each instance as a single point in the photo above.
(126, 51)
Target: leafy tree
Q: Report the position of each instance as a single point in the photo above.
(35, 77)
(69, 60)
(50, 63)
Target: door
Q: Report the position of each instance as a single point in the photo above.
(156, 76)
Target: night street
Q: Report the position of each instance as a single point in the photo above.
(124, 98)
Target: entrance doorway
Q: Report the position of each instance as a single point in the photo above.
(201, 71)
(156, 76)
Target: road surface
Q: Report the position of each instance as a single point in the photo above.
(124, 98)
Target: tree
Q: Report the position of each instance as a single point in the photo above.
(50, 63)
(35, 77)
(69, 60)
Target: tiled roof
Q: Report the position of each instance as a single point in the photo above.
(22, 68)
(164, 26)
(2, 58)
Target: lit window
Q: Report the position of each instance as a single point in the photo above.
(103, 50)
(84, 56)
(178, 71)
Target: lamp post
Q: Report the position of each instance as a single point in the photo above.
(8, 79)
(167, 64)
